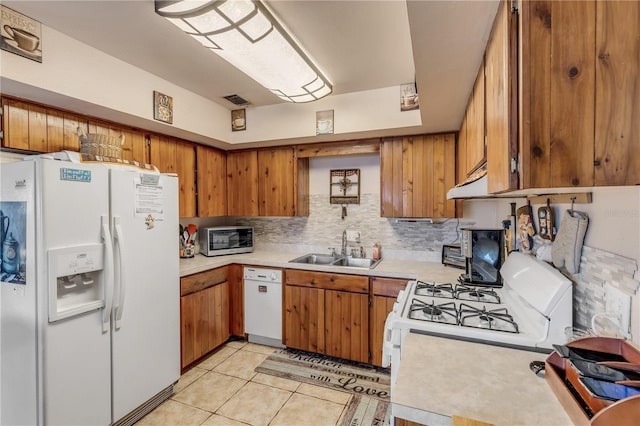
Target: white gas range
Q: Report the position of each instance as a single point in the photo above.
(530, 311)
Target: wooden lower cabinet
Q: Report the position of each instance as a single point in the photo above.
(204, 313)
(347, 325)
(327, 313)
(304, 318)
(384, 292)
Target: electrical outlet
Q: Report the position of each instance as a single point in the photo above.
(618, 305)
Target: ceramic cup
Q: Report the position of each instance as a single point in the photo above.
(26, 40)
(324, 125)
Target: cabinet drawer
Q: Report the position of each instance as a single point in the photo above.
(352, 283)
(388, 287)
(202, 280)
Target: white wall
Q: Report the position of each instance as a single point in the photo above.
(77, 77)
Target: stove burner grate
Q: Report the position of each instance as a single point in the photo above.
(432, 312)
(445, 291)
(493, 319)
(477, 294)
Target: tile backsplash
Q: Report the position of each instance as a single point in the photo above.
(323, 229)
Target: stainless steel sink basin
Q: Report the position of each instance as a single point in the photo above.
(357, 262)
(315, 259)
(337, 260)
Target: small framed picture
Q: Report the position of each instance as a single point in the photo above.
(238, 120)
(162, 107)
(324, 122)
(409, 97)
(20, 34)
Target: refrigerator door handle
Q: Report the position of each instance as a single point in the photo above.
(108, 273)
(120, 285)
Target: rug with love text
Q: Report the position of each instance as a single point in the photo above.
(369, 385)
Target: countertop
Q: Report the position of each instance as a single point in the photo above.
(423, 270)
(482, 382)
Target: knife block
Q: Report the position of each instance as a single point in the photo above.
(582, 408)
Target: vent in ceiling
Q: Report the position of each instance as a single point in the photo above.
(237, 100)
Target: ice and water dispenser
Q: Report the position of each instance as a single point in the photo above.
(76, 283)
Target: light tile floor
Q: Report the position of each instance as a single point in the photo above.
(224, 389)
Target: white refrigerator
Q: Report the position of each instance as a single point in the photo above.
(89, 291)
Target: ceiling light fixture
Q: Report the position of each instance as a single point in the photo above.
(247, 35)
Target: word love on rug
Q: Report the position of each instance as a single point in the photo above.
(329, 372)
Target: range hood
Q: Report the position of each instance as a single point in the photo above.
(474, 187)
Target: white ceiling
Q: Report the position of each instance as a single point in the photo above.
(360, 45)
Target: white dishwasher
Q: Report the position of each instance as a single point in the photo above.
(263, 306)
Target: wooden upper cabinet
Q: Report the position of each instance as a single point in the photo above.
(212, 181)
(242, 183)
(475, 132)
(580, 93)
(501, 101)
(174, 156)
(416, 173)
(276, 182)
(617, 93)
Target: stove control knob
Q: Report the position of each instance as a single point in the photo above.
(272, 276)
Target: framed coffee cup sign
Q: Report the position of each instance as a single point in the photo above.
(409, 97)
(20, 34)
(324, 122)
(238, 120)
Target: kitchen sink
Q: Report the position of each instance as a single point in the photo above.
(336, 260)
(315, 259)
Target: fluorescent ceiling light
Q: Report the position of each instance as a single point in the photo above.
(248, 36)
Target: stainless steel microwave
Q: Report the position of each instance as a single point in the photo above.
(221, 240)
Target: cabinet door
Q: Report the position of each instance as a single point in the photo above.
(55, 131)
(134, 147)
(558, 47)
(204, 321)
(276, 182)
(501, 102)
(173, 156)
(384, 293)
(476, 153)
(16, 124)
(347, 325)
(236, 302)
(242, 183)
(617, 132)
(212, 181)
(304, 318)
(416, 173)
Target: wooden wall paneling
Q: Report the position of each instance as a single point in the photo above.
(572, 93)
(275, 182)
(535, 45)
(55, 131)
(212, 181)
(444, 175)
(386, 178)
(406, 179)
(37, 128)
(71, 124)
(16, 124)
(186, 169)
(617, 97)
(242, 183)
(428, 184)
(420, 175)
(301, 187)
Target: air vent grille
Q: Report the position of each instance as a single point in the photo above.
(237, 100)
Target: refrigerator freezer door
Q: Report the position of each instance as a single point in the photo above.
(75, 351)
(18, 342)
(146, 339)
